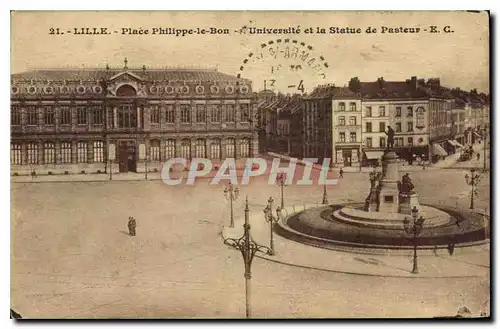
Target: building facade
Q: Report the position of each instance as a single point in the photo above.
(99, 120)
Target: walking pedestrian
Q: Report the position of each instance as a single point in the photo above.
(131, 226)
(341, 173)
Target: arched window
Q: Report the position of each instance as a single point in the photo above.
(49, 152)
(186, 149)
(215, 149)
(65, 152)
(200, 151)
(245, 148)
(230, 148)
(32, 149)
(170, 149)
(126, 90)
(154, 150)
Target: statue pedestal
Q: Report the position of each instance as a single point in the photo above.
(371, 202)
(388, 187)
(407, 201)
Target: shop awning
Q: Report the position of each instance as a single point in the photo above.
(372, 155)
(438, 150)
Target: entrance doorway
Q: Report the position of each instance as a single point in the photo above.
(347, 156)
(128, 156)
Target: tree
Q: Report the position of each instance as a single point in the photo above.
(355, 85)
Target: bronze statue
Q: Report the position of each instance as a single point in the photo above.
(406, 186)
(390, 137)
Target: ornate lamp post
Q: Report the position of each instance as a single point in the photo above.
(231, 194)
(325, 196)
(282, 182)
(146, 167)
(271, 219)
(248, 248)
(472, 181)
(414, 228)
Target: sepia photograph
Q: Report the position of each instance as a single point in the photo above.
(250, 165)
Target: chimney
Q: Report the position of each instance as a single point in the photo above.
(381, 82)
(413, 83)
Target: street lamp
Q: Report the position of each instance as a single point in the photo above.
(325, 196)
(271, 219)
(414, 228)
(282, 182)
(472, 181)
(231, 194)
(248, 248)
(146, 167)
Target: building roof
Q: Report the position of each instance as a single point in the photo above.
(97, 74)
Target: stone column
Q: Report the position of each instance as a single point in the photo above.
(138, 117)
(222, 147)
(115, 118)
(73, 151)
(40, 152)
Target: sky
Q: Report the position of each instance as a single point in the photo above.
(460, 58)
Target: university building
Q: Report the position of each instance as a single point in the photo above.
(120, 119)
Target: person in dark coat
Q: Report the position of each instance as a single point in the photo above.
(341, 173)
(131, 226)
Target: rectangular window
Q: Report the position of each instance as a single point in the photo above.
(215, 149)
(65, 115)
(245, 148)
(245, 112)
(398, 127)
(48, 115)
(342, 137)
(154, 150)
(32, 150)
(409, 111)
(369, 142)
(410, 140)
(368, 111)
(341, 121)
(382, 142)
(169, 114)
(97, 115)
(98, 151)
(32, 116)
(381, 111)
(200, 148)
(81, 152)
(66, 152)
(352, 137)
(81, 115)
(154, 115)
(410, 126)
(15, 115)
(352, 107)
(16, 155)
(230, 148)
(352, 121)
(49, 152)
(200, 113)
(381, 127)
(368, 127)
(185, 114)
(341, 107)
(127, 116)
(215, 113)
(229, 112)
(169, 149)
(398, 111)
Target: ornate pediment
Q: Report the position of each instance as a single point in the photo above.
(126, 76)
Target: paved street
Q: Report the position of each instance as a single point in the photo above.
(72, 258)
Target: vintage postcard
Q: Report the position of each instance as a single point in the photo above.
(232, 165)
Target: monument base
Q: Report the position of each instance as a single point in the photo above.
(407, 202)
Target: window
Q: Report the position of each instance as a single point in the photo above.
(185, 114)
(352, 121)
(230, 148)
(215, 113)
(245, 112)
(16, 154)
(169, 149)
(48, 115)
(410, 140)
(368, 111)
(154, 115)
(381, 111)
(352, 107)
(81, 116)
(398, 141)
(368, 127)
(127, 116)
(341, 107)
(154, 150)
(15, 116)
(199, 149)
(229, 112)
(65, 116)
(341, 121)
(81, 152)
(410, 126)
(49, 152)
(382, 142)
(342, 137)
(169, 114)
(409, 111)
(352, 137)
(369, 142)
(98, 151)
(381, 127)
(32, 119)
(398, 127)
(186, 149)
(32, 149)
(215, 149)
(97, 115)
(245, 148)
(65, 152)
(398, 111)
(200, 113)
